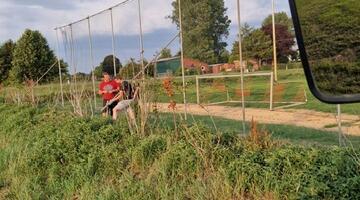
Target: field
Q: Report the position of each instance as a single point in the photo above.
(48, 154)
(291, 87)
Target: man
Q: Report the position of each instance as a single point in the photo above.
(127, 96)
(108, 88)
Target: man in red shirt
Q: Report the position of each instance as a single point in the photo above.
(108, 89)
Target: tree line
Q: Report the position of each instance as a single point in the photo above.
(206, 26)
(28, 59)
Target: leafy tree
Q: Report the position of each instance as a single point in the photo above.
(224, 56)
(246, 30)
(133, 68)
(98, 71)
(281, 18)
(284, 41)
(108, 65)
(258, 46)
(327, 30)
(165, 53)
(205, 26)
(32, 57)
(6, 57)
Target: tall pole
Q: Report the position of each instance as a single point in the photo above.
(182, 59)
(274, 41)
(341, 142)
(72, 48)
(141, 40)
(113, 40)
(241, 68)
(92, 60)
(59, 64)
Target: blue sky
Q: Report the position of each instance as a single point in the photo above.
(45, 15)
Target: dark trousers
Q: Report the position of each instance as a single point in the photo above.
(110, 108)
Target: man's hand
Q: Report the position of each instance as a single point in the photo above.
(101, 92)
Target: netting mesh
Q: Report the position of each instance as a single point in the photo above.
(120, 41)
(257, 91)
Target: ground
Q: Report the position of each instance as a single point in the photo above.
(296, 117)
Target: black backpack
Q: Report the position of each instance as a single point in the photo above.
(127, 88)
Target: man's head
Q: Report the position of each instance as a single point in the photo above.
(118, 79)
(106, 76)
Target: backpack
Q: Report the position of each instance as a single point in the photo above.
(127, 88)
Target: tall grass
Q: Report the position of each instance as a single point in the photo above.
(49, 154)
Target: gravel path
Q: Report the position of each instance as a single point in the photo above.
(295, 117)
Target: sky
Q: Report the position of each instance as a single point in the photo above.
(45, 15)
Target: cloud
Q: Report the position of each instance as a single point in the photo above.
(45, 15)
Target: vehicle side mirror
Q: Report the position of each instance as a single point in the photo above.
(328, 36)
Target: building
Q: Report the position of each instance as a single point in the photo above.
(172, 66)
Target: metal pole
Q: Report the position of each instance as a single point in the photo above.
(60, 73)
(241, 68)
(271, 91)
(274, 41)
(92, 61)
(73, 58)
(141, 39)
(197, 90)
(182, 59)
(113, 40)
(341, 142)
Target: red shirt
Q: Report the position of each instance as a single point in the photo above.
(108, 87)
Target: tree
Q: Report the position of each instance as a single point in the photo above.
(327, 31)
(6, 57)
(32, 57)
(165, 53)
(108, 65)
(281, 18)
(246, 30)
(205, 26)
(131, 69)
(256, 45)
(284, 41)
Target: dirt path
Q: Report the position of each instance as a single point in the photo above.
(296, 117)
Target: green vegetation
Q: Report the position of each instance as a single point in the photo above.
(326, 73)
(285, 133)
(321, 19)
(333, 58)
(205, 26)
(32, 57)
(49, 154)
(281, 18)
(6, 57)
(107, 65)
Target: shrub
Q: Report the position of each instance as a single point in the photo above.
(50, 154)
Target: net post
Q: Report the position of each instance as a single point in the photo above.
(271, 91)
(59, 65)
(182, 58)
(113, 39)
(72, 49)
(274, 41)
(241, 68)
(197, 90)
(341, 142)
(141, 39)
(92, 60)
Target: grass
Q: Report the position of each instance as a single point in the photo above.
(48, 154)
(290, 88)
(293, 134)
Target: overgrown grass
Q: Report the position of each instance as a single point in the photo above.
(292, 82)
(286, 133)
(49, 154)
